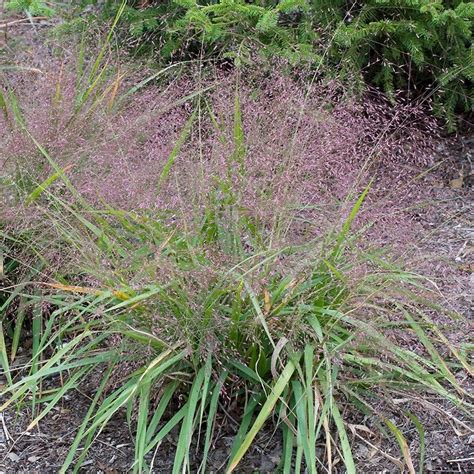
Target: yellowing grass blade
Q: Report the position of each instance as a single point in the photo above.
(421, 434)
(121, 295)
(114, 90)
(402, 442)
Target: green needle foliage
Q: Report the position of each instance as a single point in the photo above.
(33, 7)
(189, 28)
(420, 47)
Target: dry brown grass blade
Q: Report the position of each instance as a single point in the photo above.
(114, 89)
(402, 443)
(86, 290)
(22, 20)
(377, 448)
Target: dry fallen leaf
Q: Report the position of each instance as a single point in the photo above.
(457, 183)
(467, 267)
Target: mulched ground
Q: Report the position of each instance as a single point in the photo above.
(449, 436)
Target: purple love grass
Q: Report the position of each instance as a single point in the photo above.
(308, 152)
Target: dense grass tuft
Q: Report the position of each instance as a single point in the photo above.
(289, 332)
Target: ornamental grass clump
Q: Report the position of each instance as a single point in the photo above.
(190, 255)
(152, 312)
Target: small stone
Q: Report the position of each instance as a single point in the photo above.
(33, 458)
(13, 457)
(275, 458)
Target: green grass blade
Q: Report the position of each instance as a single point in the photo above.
(211, 416)
(70, 384)
(145, 81)
(265, 412)
(36, 193)
(165, 399)
(36, 330)
(142, 420)
(4, 356)
(126, 393)
(299, 453)
(244, 371)
(94, 78)
(259, 312)
(310, 407)
(186, 434)
(59, 171)
(13, 295)
(52, 366)
(80, 433)
(348, 222)
(343, 438)
(421, 435)
(238, 132)
(302, 425)
(436, 357)
(244, 424)
(15, 109)
(176, 149)
(175, 419)
(205, 385)
(287, 454)
(3, 105)
(20, 317)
